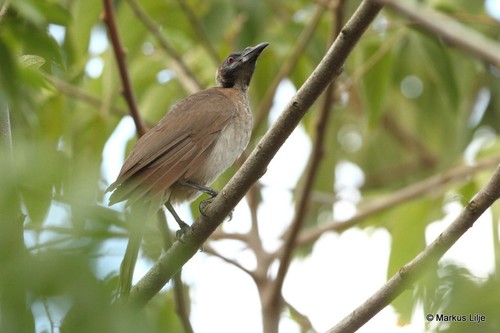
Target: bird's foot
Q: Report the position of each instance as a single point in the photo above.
(205, 189)
(204, 204)
(184, 227)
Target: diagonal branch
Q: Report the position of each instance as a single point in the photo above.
(304, 192)
(255, 166)
(288, 65)
(80, 94)
(210, 250)
(412, 271)
(128, 94)
(449, 30)
(403, 195)
(199, 31)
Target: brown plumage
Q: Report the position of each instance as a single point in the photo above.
(194, 142)
(187, 150)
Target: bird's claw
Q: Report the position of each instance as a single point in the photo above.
(203, 205)
(184, 227)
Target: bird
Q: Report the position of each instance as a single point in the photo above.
(179, 158)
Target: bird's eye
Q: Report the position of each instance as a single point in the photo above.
(230, 60)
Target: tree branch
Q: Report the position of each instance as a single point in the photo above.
(210, 250)
(287, 67)
(80, 94)
(199, 31)
(449, 30)
(311, 171)
(410, 272)
(255, 166)
(405, 194)
(301, 319)
(184, 74)
(128, 94)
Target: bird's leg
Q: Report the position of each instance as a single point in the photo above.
(205, 189)
(182, 225)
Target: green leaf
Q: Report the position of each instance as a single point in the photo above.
(377, 79)
(407, 224)
(440, 69)
(31, 61)
(29, 10)
(42, 12)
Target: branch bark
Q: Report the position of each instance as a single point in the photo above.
(413, 270)
(255, 166)
(128, 94)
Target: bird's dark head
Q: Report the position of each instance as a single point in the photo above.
(237, 69)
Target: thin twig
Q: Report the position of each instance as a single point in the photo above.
(221, 235)
(409, 142)
(184, 74)
(255, 166)
(449, 30)
(128, 94)
(301, 319)
(210, 250)
(254, 240)
(80, 94)
(408, 193)
(199, 31)
(287, 67)
(311, 171)
(413, 270)
(46, 308)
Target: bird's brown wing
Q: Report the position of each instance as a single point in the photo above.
(181, 141)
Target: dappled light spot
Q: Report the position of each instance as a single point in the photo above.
(411, 87)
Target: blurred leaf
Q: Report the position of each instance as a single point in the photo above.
(38, 169)
(8, 75)
(30, 10)
(40, 12)
(31, 61)
(453, 284)
(162, 313)
(407, 224)
(468, 190)
(59, 133)
(375, 82)
(441, 69)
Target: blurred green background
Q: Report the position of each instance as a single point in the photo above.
(406, 107)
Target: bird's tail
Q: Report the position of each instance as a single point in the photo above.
(139, 215)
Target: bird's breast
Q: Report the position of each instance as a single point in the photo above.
(232, 141)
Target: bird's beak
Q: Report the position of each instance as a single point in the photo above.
(253, 52)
